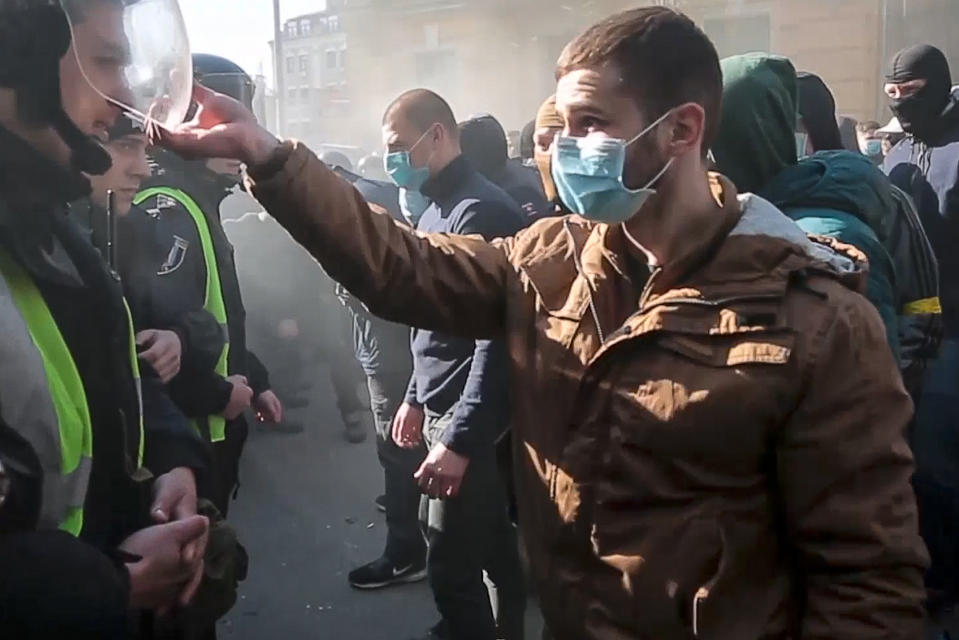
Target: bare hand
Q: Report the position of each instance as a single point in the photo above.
(163, 352)
(159, 577)
(174, 499)
(408, 426)
(269, 408)
(221, 128)
(240, 398)
(441, 474)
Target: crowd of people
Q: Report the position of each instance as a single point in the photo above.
(686, 367)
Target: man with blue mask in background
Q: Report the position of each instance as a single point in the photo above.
(707, 422)
(457, 398)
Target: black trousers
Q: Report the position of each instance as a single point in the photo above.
(469, 534)
(404, 538)
(225, 468)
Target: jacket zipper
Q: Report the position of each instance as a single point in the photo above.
(700, 597)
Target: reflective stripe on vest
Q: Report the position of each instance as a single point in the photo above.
(213, 300)
(42, 398)
(135, 370)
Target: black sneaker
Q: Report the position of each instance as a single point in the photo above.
(380, 502)
(383, 573)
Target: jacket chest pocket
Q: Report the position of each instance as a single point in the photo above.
(699, 404)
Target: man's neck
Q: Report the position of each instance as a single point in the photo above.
(443, 158)
(659, 230)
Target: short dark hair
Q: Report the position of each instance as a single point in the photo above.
(665, 59)
(424, 108)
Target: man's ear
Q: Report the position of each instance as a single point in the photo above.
(687, 128)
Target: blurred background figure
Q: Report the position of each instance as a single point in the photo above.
(371, 167)
(847, 132)
(513, 138)
(869, 141)
(890, 134)
(527, 144)
(817, 114)
(335, 159)
(484, 143)
(548, 125)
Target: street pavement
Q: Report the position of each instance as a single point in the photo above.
(306, 515)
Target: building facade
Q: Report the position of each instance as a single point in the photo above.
(498, 56)
(315, 102)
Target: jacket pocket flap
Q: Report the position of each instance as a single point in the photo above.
(732, 350)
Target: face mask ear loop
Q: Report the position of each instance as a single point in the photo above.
(650, 127)
(409, 154)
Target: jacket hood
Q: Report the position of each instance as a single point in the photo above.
(840, 180)
(817, 107)
(756, 138)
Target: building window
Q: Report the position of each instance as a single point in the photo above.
(291, 94)
(330, 59)
(290, 64)
(291, 29)
(305, 94)
(305, 27)
(342, 59)
(333, 22)
(323, 25)
(304, 64)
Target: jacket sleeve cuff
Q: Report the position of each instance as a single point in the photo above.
(274, 165)
(224, 389)
(166, 453)
(459, 442)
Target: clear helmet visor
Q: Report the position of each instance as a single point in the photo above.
(135, 53)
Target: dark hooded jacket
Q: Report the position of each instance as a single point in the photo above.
(927, 169)
(484, 143)
(837, 194)
(818, 110)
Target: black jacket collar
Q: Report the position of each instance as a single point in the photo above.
(34, 194)
(442, 187)
(30, 180)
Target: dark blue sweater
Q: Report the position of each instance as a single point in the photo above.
(930, 174)
(450, 371)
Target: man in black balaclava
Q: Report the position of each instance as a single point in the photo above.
(925, 164)
(918, 84)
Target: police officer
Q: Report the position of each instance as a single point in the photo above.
(79, 545)
(199, 272)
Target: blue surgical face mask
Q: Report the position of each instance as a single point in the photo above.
(801, 139)
(873, 147)
(413, 204)
(588, 173)
(400, 168)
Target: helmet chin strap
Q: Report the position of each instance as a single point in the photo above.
(87, 154)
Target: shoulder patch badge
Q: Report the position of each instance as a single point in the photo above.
(175, 258)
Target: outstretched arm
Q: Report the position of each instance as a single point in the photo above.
(451, 284)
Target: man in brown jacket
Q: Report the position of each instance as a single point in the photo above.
(708, 423)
